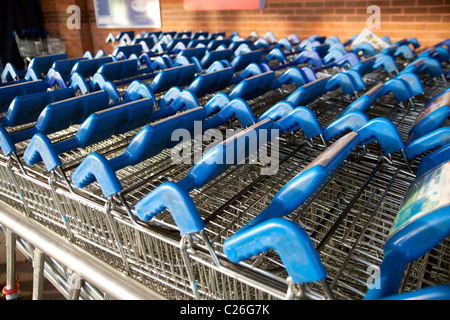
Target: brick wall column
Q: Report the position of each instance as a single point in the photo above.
(54, 14)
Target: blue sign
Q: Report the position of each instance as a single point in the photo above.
(127, 13)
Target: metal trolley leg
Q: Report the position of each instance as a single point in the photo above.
(38, 274)
(90, 270)
(12, 289)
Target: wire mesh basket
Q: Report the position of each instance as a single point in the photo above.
(39, 46)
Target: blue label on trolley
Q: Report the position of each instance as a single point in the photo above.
(428, 193)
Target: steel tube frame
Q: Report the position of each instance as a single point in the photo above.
(115, 284)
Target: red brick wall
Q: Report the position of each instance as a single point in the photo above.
(427, 20)
(54, 15)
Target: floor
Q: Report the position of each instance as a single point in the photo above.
(24, 272)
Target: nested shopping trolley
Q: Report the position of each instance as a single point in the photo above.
(171, 225)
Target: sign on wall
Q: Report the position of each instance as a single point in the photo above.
(202, 5)
(127, 13)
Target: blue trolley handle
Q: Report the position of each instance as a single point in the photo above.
(289, 240)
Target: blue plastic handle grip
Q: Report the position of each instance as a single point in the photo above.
(128, 50)
(54, 77)
(169, 97)
(171, 46)
(333, 55)
(311, 57)
(349, 59)
(9, 92)
(321, 49)
(364, 66)
(365, 101)
(183, 61)
(97, 127)
(214, 44)
(157, 136)
(177, 201)
(412, 82)
(340, 80)
(244, 59)
(292, 75)
(441, 54)
(300, 188)
(211, 82)
(176, 76)
(228, 153)
(26, 109)
(386, 62)
(350, 121)
(159, 62)
(433, 160)
(308, 74)
(253, 69)
(112, 121)
(96, 167)
(384, 131)
(118, 70)
(216, 103)
(10, 73)
(39, 66)
(290, 241)
(437, 138)
(6, 144)
(357, 80)
(300, 118)
(436, 112)
(276, 54)
(307, 93)
(78, 83)
(64, 67)
(87, 68)
(137, 90)
(41, 149)
(58, 116)
(235, 108)
(193, 52)
(366, 49)
(173, 101)
(389, 50)
(425, 65)
(399, 88)
(151, 140)
(253, 86)
(277, 111)
(404, 51)
(216, 55)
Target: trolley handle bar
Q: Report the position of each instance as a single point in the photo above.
(437, 138)
(97, 127)
(57, 116)
(157, 136)
(289, 240)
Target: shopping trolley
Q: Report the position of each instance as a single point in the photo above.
(390, 184)
(156, 176)
(154, 250)
(420, 226)
(178, 201)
